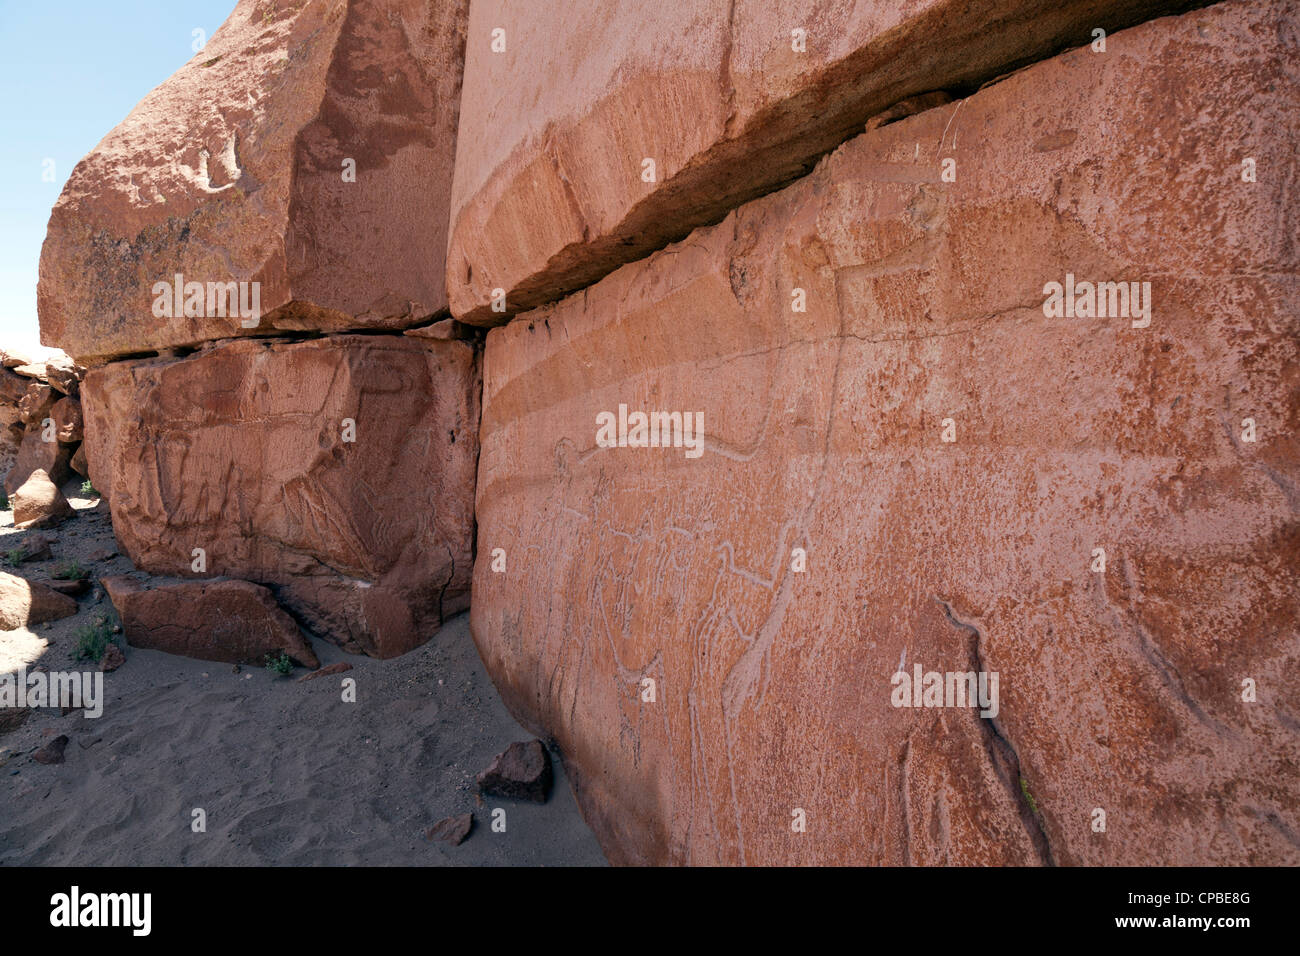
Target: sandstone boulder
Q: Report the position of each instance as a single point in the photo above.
(728, 100)
(23, 603)
(35, 404)
(341, 470)
(10, 359)
(36, 454)
(1112, 529)
(12, 387)
(40, 504)
(321, 172)
(213, 620)
(66, 414)
(64, 375)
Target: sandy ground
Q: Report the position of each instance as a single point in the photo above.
(286, 772)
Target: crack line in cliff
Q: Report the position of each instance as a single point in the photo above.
(1002, 755)
(635, 238)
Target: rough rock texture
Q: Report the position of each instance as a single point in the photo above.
(549, 194)
(522, 772)
(214, 620)
(40, 504)
(36, 454)
(242, 450)
(1120, 690)
(23, 603)
(247, 185)
(40, 418)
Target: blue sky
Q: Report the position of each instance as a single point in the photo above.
(69, 72)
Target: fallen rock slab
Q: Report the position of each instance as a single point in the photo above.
(212, 620)
(23, 603)
(341, 470)
(911, 464)
(521, 772)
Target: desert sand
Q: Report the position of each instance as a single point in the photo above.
(286, 772)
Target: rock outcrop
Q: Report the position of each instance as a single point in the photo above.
(883, 450)
(566, 105)
(1111, 530)
(340, 470)
(314, 188)
(40, 418)
(214, 620)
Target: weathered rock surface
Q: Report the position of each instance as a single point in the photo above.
(521, 772)
(42, 419)
(36, 454)
(65, 414)
(24, 602)
(549, 193)
(40, 504)
(244, 451)
(213, 620)
(1120, 690)
(249, 185)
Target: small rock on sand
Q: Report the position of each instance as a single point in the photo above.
(52, 752)
(454, 830)
(522, 772)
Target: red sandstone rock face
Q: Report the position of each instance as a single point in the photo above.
(241, 450)
(1120, 691)
(232, 621)
(549, 193)
(247, 185)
